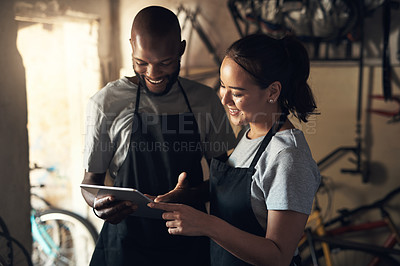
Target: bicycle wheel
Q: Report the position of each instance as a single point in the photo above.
(5, 245)
(345, 256)
(62, 237)
(20, 256)
(12, 252)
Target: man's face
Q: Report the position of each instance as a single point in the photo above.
(156, 61)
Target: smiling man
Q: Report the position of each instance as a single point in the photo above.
(157, 66)
(145, 131)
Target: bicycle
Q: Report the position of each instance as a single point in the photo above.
(60, 237)
(330, 243)
(12, 252)
(191, 17)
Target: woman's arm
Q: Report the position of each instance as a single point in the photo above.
(284, 229)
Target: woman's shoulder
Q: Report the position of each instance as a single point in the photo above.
(287, 147)
(288, 154)
(289, 138)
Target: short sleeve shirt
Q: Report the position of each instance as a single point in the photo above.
(286, 177)
(110, 116)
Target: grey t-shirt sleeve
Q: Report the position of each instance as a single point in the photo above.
(289, 181)
(98, 149)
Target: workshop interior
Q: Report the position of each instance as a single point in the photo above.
(55, 54)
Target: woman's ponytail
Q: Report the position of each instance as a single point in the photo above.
(297, 97)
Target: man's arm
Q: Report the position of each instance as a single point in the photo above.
(92, 179)
(106, 207)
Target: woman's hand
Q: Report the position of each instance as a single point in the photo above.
(111, 210)
(182, 219)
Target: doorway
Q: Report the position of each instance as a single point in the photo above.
(62, 66)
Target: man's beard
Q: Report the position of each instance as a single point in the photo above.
(172, 78)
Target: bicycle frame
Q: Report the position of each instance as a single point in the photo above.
(330, 236)
(320, 231)
(40, 235)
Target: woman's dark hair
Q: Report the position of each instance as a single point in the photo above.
(286, 60)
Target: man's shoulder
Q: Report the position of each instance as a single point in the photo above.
(194, 85)
(115, 93)
(199, 94)
(117, 86)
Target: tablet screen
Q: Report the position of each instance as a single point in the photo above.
(126, 194)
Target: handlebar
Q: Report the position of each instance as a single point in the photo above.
(378, 204)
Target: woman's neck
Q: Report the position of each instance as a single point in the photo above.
(259, 129)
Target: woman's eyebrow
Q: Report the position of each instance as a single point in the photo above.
(233, 87)
(237, 88)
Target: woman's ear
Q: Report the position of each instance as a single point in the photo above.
(274, 90)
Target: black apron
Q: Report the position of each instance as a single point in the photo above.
(230, 199)
(161, 147)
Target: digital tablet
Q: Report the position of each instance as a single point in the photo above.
(126, 194)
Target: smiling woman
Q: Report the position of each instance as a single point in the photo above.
(261, 197)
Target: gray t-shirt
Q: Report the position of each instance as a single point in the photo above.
(110, 117)
(286, 177)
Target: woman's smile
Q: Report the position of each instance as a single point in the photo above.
(234, 112)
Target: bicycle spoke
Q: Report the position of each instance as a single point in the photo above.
(64, 239)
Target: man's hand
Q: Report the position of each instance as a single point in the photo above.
(182, 193)
(111, 210)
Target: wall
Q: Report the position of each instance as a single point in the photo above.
(14, 183)
(335, 86)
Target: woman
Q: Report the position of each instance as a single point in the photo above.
(261, 197)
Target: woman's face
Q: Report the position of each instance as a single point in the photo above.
(245, 100)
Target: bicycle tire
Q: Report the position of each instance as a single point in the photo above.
(19, 255)
(74, 238)
(6, 250)
(349, 256)
(2, 261)
(12, 252)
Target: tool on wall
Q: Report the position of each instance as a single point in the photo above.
(393, 114)
(191, 17)
(386, 66)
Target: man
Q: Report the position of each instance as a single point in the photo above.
(145, 130)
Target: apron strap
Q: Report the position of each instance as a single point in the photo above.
(137, 99)
(190, 110)
(275, 128)
(180, 87)
(185, 96)
(136, 111)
